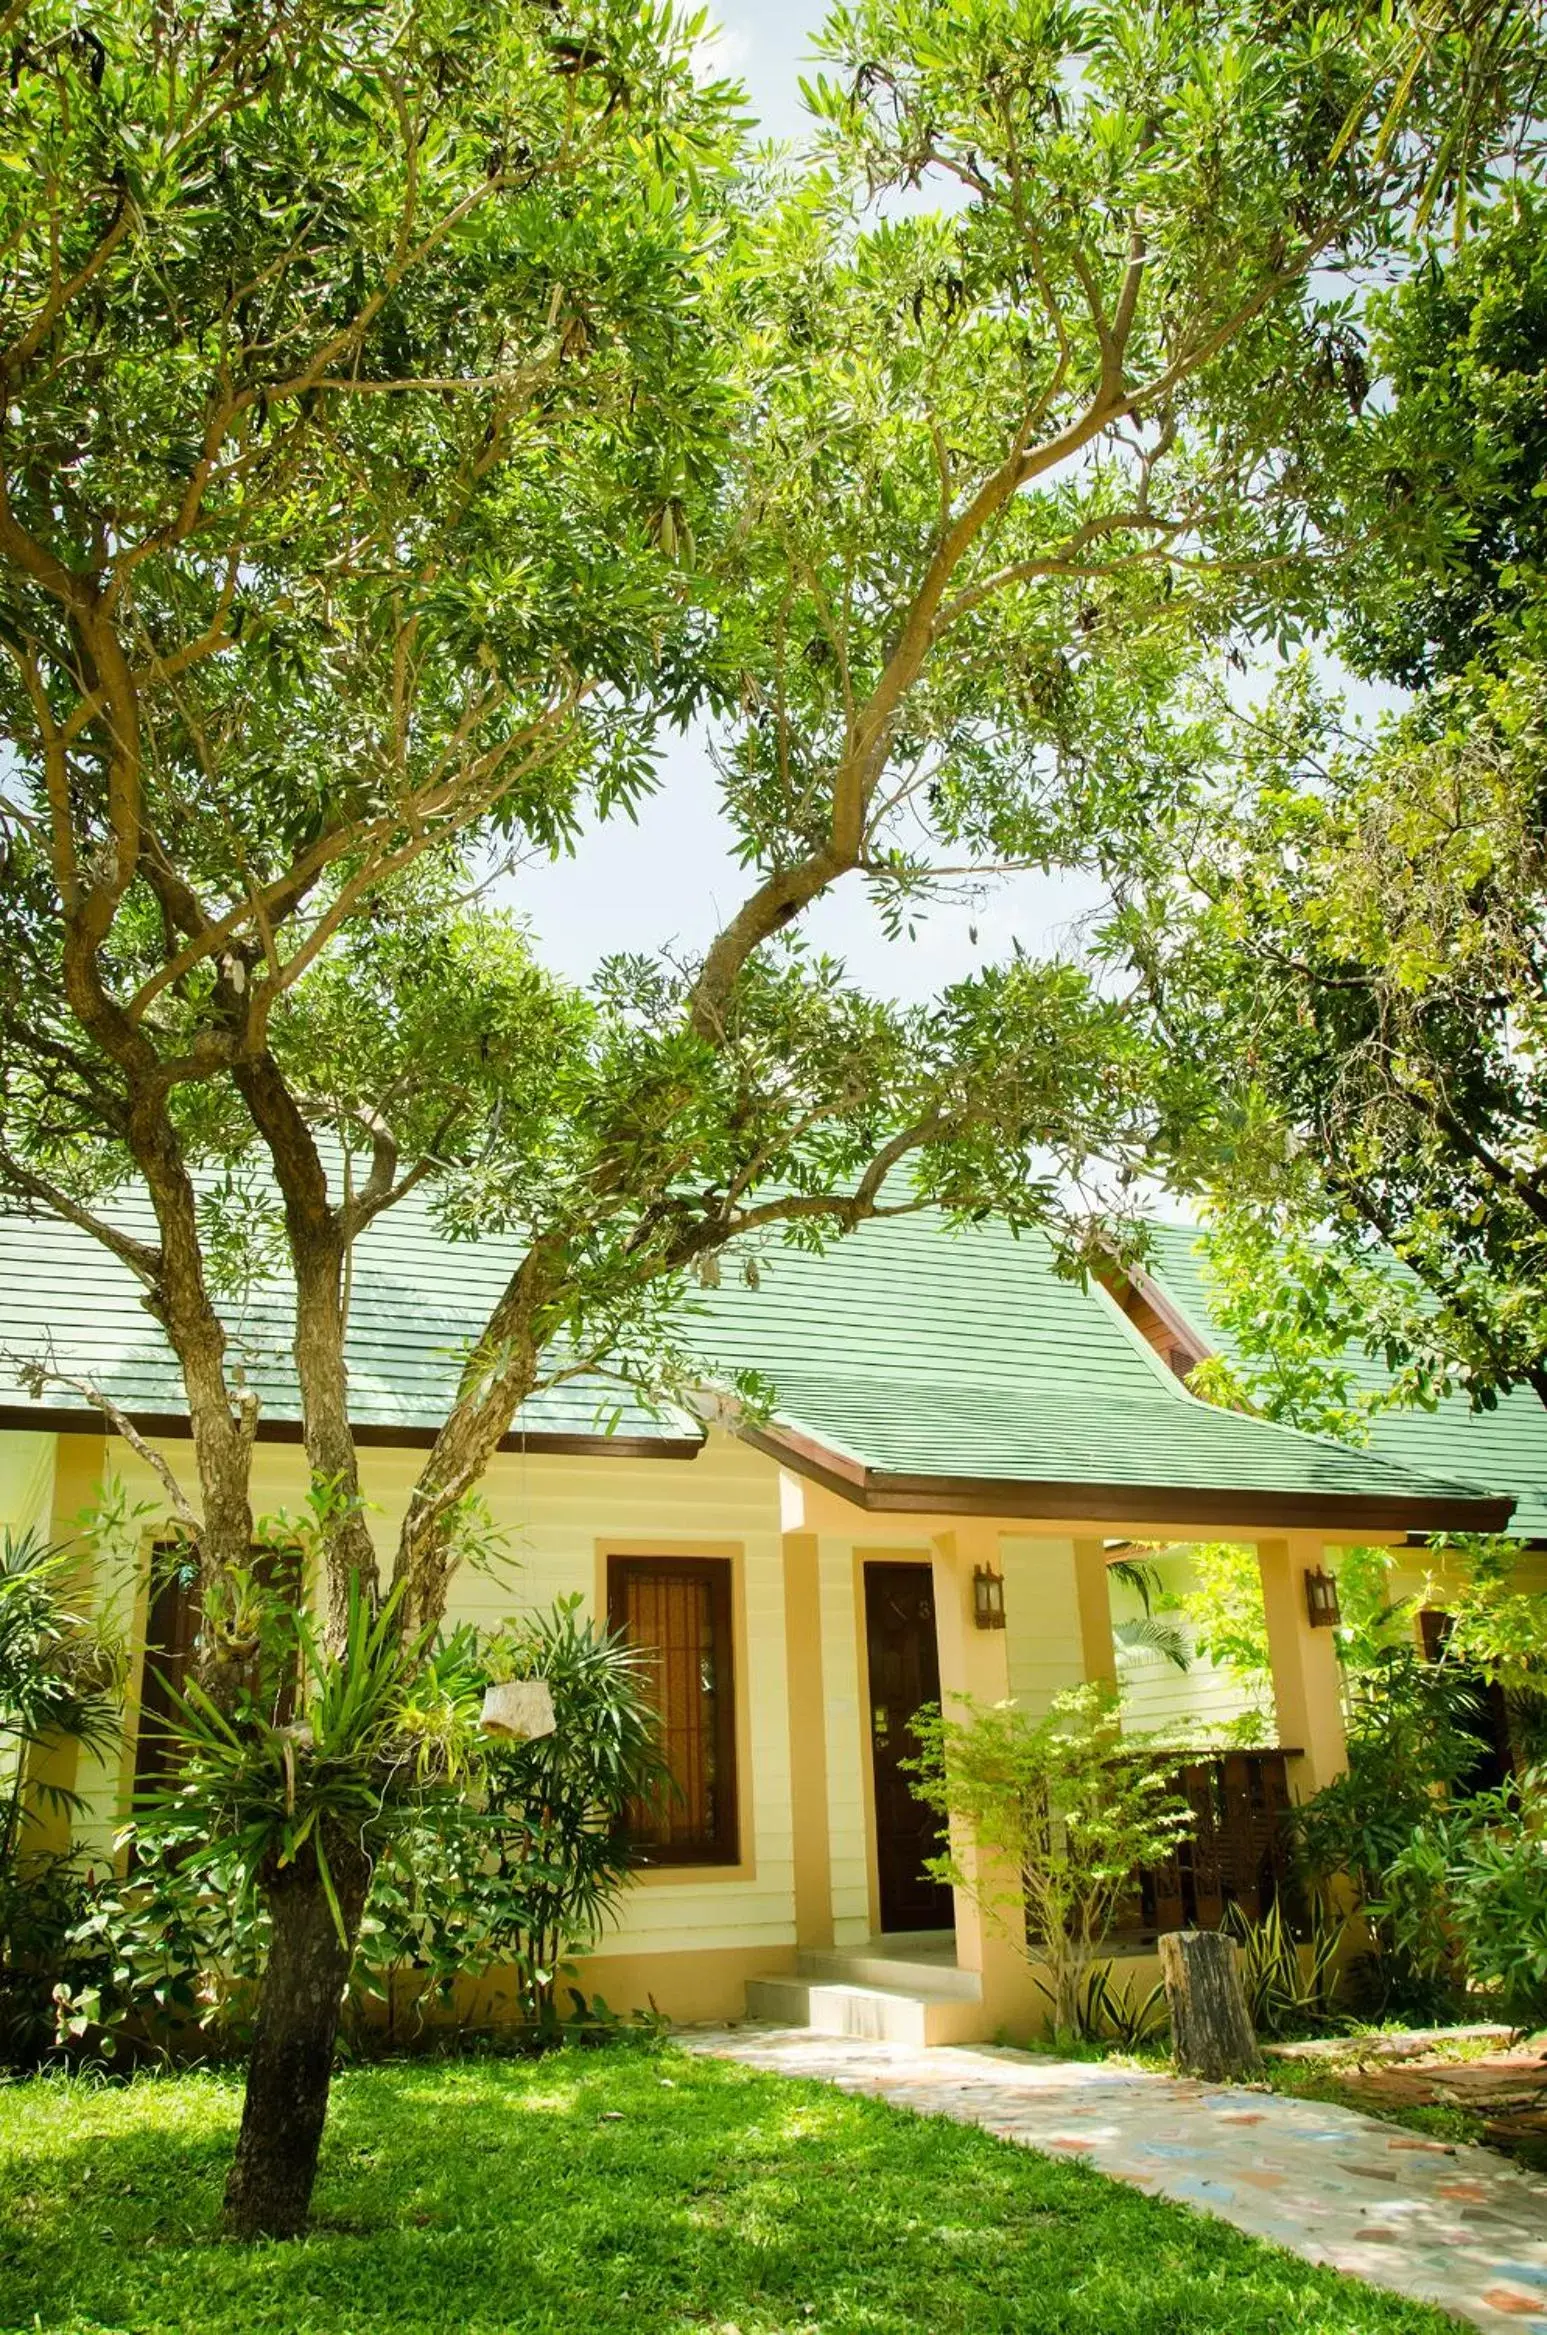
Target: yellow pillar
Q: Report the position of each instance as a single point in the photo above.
(1307, 1679)
(975, 1663)
(1095, 1606)
(808, 1740)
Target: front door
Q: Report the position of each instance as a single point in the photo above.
(904, 1672)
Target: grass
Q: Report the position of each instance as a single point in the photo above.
(1328, 2080)
(614, 2192)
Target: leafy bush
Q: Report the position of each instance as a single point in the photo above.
(1466, 1898)
(1062, 1811)
(41, 1900)
(1109, 2012)
(162, 1961)
(60, 1680)
(1408, 1743)
(527, 1875)
(511, 1873)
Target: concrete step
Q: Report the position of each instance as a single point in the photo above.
(880, 2014)
(893, 1973)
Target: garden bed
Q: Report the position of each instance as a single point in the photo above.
(1463, 2084)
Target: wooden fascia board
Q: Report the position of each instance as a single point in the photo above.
(1170, 1313)
(881, 1493)
(537, 1443)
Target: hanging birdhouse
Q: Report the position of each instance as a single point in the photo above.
(518, 1710)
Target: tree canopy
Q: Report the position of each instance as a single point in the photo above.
(1347, 946)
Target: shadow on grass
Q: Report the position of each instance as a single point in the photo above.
(612, 2192)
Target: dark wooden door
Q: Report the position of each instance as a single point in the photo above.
(904, 1672)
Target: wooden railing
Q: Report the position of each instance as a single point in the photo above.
(1238, 1854)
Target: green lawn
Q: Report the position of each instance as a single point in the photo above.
(614, 2190)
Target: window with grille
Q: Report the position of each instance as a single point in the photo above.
(677, 1610)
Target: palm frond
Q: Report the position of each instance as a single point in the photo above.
(1132, 1640)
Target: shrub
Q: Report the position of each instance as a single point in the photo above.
(1062, 1811)
(1289, 1991)
(1110, 2012)
(1466, 1898)
(60, 1680)
(514, 1873)
(528, 1874)
(163, 1960)
(1408, 1743)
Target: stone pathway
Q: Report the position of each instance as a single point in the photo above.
(1455, 2226)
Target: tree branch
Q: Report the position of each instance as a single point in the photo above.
(35, 1376)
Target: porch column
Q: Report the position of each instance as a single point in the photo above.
(1095, 1604)
(1307, 1679)
(56, 1769)
(976, 1662)
(808, 1740)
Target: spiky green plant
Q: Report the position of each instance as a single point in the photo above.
(61, 1679)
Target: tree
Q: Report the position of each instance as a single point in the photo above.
(407, 409)
(1452, 561)
(1347, 948)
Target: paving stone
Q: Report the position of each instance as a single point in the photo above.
(1450, 2224)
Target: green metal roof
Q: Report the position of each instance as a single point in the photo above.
(417, 1302)
(1504, 1449)
(915, 1351)
(911, 1354)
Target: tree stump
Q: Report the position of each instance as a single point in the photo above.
(1211, 2029)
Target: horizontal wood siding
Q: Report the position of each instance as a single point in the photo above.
(555, 1511)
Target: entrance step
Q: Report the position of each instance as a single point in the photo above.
(891, 1966)
(879, 2014)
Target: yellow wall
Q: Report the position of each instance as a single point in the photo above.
(1042, 1619)
(559, 1515)
(26, 1482)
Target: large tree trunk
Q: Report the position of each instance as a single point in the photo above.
(318, 1246)
(269, 2188)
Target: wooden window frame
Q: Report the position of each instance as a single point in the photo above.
(724, 1850)
(164, 1672)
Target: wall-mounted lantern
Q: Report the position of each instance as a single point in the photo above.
(988, 1598)
(1321, 1599)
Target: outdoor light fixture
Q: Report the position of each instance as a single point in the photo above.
(988, 1598)
(1321, 1599)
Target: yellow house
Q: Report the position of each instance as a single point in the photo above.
(957, 1444)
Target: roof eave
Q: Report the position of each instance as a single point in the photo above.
(883, 1492)
(369, 1436)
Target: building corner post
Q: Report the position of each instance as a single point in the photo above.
(974, 1663)
(1307, 1675)
(807, 1712)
